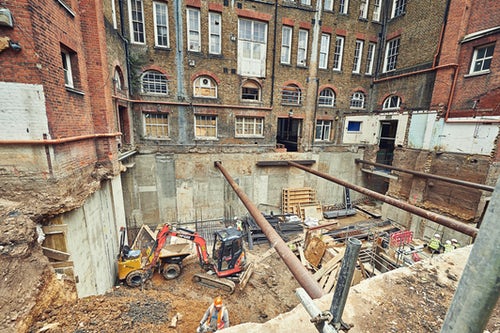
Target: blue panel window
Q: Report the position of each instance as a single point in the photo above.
(354, 126)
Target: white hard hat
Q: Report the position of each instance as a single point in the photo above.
(454, 240)
(448, 242)
(437, 235)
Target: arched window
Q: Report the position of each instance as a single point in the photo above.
(154, 82)
(358, 100)
(291, 94)
(118, 79)
(392, 102)
(250, 91)
(327, 98)
(205, 86)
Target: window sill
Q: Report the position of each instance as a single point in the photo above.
(157, 139)
(206, 139)
(477, 74)
(68, 8)
(249, 136)
(162, 48)
(291, 104)
(75, 91)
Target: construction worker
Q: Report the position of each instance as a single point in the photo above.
(435, 244)
(448, 247)
(455, 243)
(215, 318)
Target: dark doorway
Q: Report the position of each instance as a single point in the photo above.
(289, 132)
(124, 123)
(386, 144)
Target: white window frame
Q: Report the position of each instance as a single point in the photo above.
(323, 130)
(323, 51)
(203, 123)
(193, 30)
(305, 2)
(302, 47)
(251, 84)
(252, 48)
(338, 54)
(398, 8)
(392, 102)
(249, 127)
(377, 9)
(113, 14)
(158, 81)
(286, 44)
(476, 59)
(357, 98)
(370, 58)
(160, 15)
(157, 129)
(358, 53)
(204, 83)
(214, 33)
(343, 6)
(328, 5)
(326, 98)
(391, 55)
(291, 95)
(68, 72)
(137, 27)
(363, 9)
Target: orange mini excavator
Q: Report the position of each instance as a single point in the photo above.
(226, 266)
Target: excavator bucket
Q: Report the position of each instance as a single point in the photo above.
(246, 276)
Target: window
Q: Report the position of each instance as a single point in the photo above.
(161, 24)
(370, 58)
(205, 127)
(363, 9)
(343, 6)
(326, 97)
(377, 7)
(337, 56)
(252, 43)
(205, 86)
(391, 55)
(291, 94)
(118, 79)
(193, 28)
(328, 5)
(398, 8)
(392, 102)
(249, 127)
(137, 21)
(155, 125)
(481, 60)
(323, 52)
(358, 100)
(113, 14)
(286, 44)
(302, 48)
(154, 82)
(68, 72)
(250, 91)
(323, 128)
(305, 2)
(214, 32)
(354, 126)
(358, 52)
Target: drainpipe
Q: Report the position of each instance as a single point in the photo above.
(59, 141)
(440, 219)
(127, 51)
(275, 33)
(301, 274)
(179, 60)
(479, 288)
(430, 176)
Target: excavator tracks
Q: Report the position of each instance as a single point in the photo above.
(214, 281)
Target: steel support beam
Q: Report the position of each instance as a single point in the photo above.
(430, 176)
(301, 274)
(440, 219)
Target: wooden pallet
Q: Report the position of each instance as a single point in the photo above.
(292, 197)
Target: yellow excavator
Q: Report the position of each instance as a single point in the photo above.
(227, 264)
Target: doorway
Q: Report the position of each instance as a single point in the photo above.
(388, 131)
(289, 131)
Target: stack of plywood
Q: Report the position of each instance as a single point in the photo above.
(293, 198)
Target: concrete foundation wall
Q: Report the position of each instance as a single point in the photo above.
(163, 188)
(93, 239)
